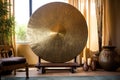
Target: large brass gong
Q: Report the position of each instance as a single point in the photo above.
(57, 32)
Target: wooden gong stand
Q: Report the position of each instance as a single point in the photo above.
(42, 66)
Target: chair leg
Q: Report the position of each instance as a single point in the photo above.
(0, 76)
(15, 72)
(27, 71)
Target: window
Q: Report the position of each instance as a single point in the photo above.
(23, 11)
(21, 18)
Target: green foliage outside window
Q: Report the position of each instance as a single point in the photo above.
(21, 32)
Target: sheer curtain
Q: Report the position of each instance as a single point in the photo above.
(107, 24)
(99, 14)
(87, 8)
(13, 36)
(11, 13)
(103, 23)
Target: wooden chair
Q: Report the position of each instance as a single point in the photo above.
(10, 62)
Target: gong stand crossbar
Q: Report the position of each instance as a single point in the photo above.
(42, 66)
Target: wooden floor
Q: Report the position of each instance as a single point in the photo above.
(33, 72)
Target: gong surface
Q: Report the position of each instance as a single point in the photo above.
(57, 32)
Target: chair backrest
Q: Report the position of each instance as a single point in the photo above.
(6, 51)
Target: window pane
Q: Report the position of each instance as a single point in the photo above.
(21, 11)
(21, 18)
(22, 15)
(39, 3)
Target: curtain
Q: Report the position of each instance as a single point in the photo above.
(11, 13)
(87, 8)
(107, 24)
(103, 23)
(9, 29)
(99, 15)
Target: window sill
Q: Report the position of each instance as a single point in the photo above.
(23, 42)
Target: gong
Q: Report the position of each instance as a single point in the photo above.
(57, 32)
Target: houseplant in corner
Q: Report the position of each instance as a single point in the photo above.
(6, 23)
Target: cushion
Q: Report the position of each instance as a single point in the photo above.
(12, 61)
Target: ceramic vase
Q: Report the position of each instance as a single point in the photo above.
(108, 58)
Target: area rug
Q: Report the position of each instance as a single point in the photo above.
(65, 78)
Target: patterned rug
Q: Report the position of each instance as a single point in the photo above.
(65, 78)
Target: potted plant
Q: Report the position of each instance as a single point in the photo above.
(6, 23)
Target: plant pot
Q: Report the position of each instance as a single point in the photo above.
(108, 58)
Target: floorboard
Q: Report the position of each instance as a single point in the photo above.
(34, 72)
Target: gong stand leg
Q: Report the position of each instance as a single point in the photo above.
(38, 64)
(73, 67)
(39, 61)
(41, 68)
(75, 59)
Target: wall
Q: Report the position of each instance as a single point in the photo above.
(114, 9)
(117, 24)
(24, 50)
